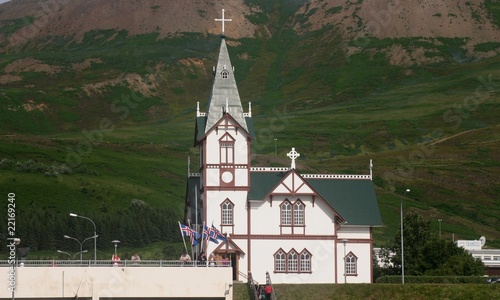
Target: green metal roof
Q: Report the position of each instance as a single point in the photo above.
(355, 200)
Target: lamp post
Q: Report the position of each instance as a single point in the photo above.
(345, 262)
(81, 243)
(73, 256)
(95, 233)
(275, 147)
(402, 242)
(439, 220)
(116, 242)
(59, 251)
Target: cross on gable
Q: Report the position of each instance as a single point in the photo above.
(223, 20)
(293, 155)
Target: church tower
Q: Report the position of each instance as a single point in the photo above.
(223, 136)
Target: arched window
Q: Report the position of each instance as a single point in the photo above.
(280, 261)
(293, 262)
(286, 213)
(305, 261)
(227, 212)
(292, 215)
(224, 73)
(298, 213)
(351, 264)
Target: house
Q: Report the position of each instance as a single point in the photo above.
(301, 228)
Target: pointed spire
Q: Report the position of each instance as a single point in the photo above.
(224, 90)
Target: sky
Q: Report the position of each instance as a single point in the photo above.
(3, 1)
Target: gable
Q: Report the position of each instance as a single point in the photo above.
(227, 121)
(353, 199)
(293, 184)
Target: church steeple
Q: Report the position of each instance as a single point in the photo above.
(225, 97)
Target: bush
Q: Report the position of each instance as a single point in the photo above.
(433, 279)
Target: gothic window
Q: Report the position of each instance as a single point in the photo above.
(286, 213)
(351, 264)
(298, 213)
(227, 212)
(226, 144)
(305, 261)
(280, 261)
(292, 215)
(292, 262)
(224, 73)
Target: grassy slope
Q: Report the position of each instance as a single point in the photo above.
(377, 291)
(337, 111)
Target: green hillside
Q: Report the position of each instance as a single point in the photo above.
(93, 126)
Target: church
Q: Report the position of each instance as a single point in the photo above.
(300, 228)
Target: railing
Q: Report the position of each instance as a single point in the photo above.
(268, 281)
(109, 263)
(252, 287)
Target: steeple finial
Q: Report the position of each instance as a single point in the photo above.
(223, 20)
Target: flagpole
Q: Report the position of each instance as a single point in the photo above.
(191, 237)
(202, 239)
(196, 209)
(182, 235)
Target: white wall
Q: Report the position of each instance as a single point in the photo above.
(95, 282)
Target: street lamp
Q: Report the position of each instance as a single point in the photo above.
(116, 244)
(275, 147)
(72, 257)
(439, 220)
(81, 243)
(402, 243)
(95, 233)
(345, 261)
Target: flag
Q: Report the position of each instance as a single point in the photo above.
(216, 234)
(193, 235)
(186, 230)
(208, 234)
(194, 238)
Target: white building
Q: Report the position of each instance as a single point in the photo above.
(489, 257)
(301, 228)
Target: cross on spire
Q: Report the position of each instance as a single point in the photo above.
(223, 20)
(293, 155)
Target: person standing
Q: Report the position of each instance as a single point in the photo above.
(185, 258)
(269, 291)
(135, 258)
(116, 260)
(203, 258)
(211, 260)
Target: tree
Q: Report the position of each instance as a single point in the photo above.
(416, 233)
(424, 255)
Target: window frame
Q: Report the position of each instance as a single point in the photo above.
(351, 264)
(293, 215)
(223, 213)
(293, 262)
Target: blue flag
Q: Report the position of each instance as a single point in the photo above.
(216, 234)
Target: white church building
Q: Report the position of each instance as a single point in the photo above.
(301, 228)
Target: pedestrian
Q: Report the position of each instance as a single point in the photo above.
(135, 258)
(116, 260)
(185, 258)
(211, 260)
(203, 258)
(269, 291)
